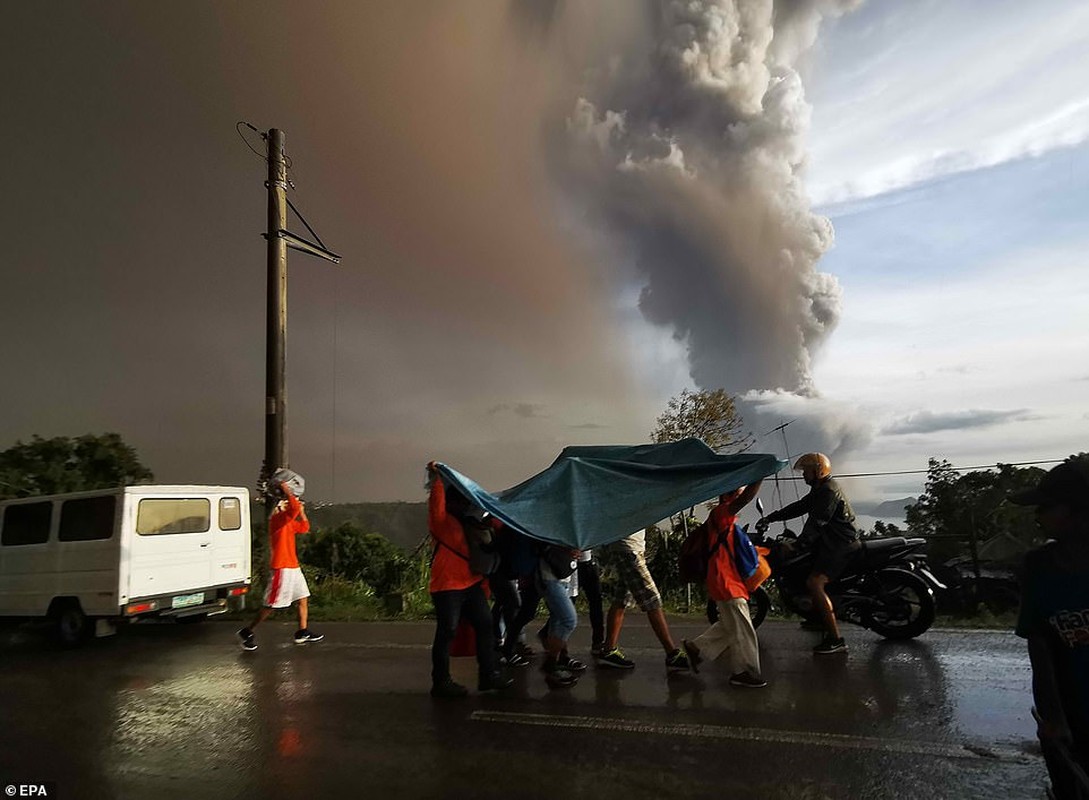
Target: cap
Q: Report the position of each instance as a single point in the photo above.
(1065, 484)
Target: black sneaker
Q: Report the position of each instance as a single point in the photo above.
(829, 645)
(561, 678)
(248, 642)
(677, 661)
(615, 659)
(517, 660)
(448, 689)
(693, 653)
(572, 664)
(305, 635)
(493, 682)
(748, 680)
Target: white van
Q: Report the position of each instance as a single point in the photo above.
(89, 559)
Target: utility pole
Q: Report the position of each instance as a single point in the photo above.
(276, 312)
(279, 240)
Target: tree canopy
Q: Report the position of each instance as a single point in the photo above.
(710, 415)
(956, 506)
(69, 464)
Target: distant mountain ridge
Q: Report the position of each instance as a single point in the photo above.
(404, 524)
(889, 509)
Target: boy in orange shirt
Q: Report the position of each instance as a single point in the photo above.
(733, 633)
(286, 583)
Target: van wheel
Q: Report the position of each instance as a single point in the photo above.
(73, 627)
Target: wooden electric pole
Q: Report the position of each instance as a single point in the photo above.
(279, 240)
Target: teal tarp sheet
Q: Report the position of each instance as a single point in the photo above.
(595, 495)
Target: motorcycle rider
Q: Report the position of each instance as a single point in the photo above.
(830, 531)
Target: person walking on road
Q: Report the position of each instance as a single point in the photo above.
(1054, 618)
(286, 584)
(830, 530)
(733, 633)
(456, 591)
(636, 586)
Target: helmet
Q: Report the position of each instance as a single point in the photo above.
(818, 462)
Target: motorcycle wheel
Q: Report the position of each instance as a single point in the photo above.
(904, 605)
(759, 603)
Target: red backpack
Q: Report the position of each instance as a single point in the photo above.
(694, 556)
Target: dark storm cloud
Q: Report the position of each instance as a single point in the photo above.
(468, 161)
(931, 422)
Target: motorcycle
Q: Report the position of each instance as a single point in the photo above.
(887, 586)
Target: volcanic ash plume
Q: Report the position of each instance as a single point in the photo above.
(686, 145)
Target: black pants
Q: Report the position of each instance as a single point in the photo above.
(590, 585)
(508, 601)
(450, 606)
(531, 598)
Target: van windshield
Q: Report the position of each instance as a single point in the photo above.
(174, 515)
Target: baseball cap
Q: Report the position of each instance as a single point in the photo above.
(1065, 484)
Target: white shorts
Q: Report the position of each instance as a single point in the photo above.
(285, 586)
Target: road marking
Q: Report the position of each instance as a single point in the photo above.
(761, 735)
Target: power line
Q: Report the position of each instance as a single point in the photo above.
(926, 471)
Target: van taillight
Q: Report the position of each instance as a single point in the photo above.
(140, 608)
(237, 591)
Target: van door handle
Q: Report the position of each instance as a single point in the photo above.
(205, 544)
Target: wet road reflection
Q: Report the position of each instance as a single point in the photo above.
(166, 711)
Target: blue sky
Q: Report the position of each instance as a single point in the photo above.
(949, 148)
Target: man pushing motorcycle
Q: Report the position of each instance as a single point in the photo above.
(830, 531)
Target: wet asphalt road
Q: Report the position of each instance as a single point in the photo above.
(169, 711)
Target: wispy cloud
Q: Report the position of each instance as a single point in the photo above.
(931, 422)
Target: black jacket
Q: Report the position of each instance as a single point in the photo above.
(831, 518)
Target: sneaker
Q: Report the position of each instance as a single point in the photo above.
(517, 660)
(497, 680)
(829, 645)
(748, 680)
(597, 648)
(525, 651)
(572, 664)
(248, 642)
(693, 653)
(304, 635)
(561, 678)
(615, 659)
(448, 689)
(677, 661)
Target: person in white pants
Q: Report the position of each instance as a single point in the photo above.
(733, 634)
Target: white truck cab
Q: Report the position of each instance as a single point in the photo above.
(89, 559)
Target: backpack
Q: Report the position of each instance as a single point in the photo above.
(750, 562)
(483, 558)
(559, 560)
(694, 556)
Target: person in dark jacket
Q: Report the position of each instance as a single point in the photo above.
(830, 531)
(1054, 618)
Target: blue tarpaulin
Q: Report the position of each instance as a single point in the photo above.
(595, 495)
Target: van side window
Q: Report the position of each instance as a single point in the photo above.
(87, 519)
(181, 515)
(230, 514)
(26, 523)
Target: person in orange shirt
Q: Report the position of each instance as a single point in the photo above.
(286, 584)
(456, 591)
(733, 633)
